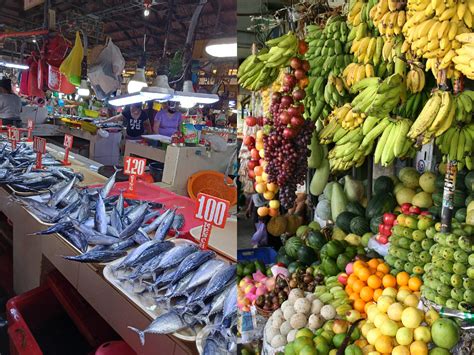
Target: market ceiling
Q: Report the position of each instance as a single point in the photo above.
(123, 21)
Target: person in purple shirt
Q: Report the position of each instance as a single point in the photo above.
(167, 121)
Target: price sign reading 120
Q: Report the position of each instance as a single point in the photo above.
(213, 212)
(134, 166)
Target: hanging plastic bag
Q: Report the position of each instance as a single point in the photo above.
(71, 66)
(58, 82)
(56, 50)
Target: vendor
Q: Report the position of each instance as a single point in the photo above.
(10, 104)
(135, 120)
(167, 120)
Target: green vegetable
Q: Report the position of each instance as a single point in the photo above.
(320, 178)
(329, 267)
(379, 204)
(315, 240)
(342, 261)
(338, 200)
(334, 248)
(315, 159)
(292, 245)
(354, 189)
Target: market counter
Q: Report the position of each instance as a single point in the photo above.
(33, 255)
(181, 162)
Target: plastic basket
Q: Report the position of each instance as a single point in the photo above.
(212, 183)
(266, 255)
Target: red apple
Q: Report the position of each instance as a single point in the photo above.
(300, 74)
(306, 66)
(299, 94)
(383, 239)
(289, 133)
(251, 174)
(252, 164)
(405, 208)
(414, 210)
(295, 63)
(276, 97)
(254, 154)
(389, 218)
(289, 80)
(286, 101)
(294, 110)
(297, 121)
(251, 121)
(249, 141)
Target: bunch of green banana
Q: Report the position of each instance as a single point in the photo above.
(457, 144)
(435, 118)
(393, 142)
(359, 12)
(281, 50)
(346, 153)
(334, 92)
(354, 73)
(254, 75)
(314, 103)
(463, 58)
(431, 30)
(412, 106)
(389, 17)
(332, 292)
(464, 106)
(415, 79)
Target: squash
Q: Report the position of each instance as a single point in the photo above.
(379, 204)
(383, 184)
(320, 178)
(344, 219)
(354, 189)
(359, 225)
(356, 208)
(316, 157)
(338, 200)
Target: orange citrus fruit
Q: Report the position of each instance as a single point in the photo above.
(357, 286)
(363, 274)
(414, 283)
(389, 281)
(377, 294)
(402, 278)
(354, 296)
(359, 305)
(374, 281)
(367, 294)
(404, 288)
(382, 267)
(373, 263)
(351, 279)
(349, 289)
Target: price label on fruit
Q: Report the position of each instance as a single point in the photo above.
(133, 167)
(212, 211)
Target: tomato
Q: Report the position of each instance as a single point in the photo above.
(389, 218)
(385, 229)
(383, 239)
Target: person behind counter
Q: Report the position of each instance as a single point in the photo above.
(134, 119)
(167, 121)
(10, 104)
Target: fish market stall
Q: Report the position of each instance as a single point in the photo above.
(155, 291)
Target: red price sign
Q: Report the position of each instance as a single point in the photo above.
(31, 124)
(68, 139)
(30, 127)
(13, 136)
(134, 167)
(212, 211)
(39, 146)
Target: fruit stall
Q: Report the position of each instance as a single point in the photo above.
(357, 166)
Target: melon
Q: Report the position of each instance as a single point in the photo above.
(422, 200)
(409, 177)
(427, 182)
(404, 195)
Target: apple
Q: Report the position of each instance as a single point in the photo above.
(276, 97)
(250, 121)
(285, 117)
(305, 65)
(405, 208)
(252, 164)
(289, 133)
(286, 101)
(249, 141)
(300, 74)
(389, 218)
(254, 154)
(342, 278)
(297, 121)
(414, 210)
(383, 239)
(295, 63)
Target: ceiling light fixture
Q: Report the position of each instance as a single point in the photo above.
(160, 89)
(137, 82)
(127, 99)
(83, 90)
(189, 98)
(222, 48)
(14, 65)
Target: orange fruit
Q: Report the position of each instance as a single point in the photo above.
(374, 281)
(354, 296)
(382, 267)
(351, 279)
(377, 294)
(402, 278)
(389, 281)
(349, 289)
(358, 264)
(358, 285)
(363, 273)
(367, 294)
(379, 274)
(414, 283)
(273, 212)
(373, 263)
(404, 288)
(359, 305)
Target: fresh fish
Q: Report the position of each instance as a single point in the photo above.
(76, 238)
(205, 272)
(178, 222)
(217, 282)
(140, 236)
(57, 228)
(164, 227)
(156, 222)
(137, 252)
(122, 245)
(217, 303)
(60, 194)
(166, 323)
(94, 256)
(112, 231)
(44, 209)
(119, 205)
(174, 256)
(132, 227)
(149, 216)
(211, 347)
(104, 192)
(115, 220)
(152, 251)
(94, 237)
(230, 306)
(192, 262)
(100, 218)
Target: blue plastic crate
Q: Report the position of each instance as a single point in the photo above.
(266, 255)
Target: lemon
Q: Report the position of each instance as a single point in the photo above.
(383, 344)
(419, 348)
(402, 294)
(380, 319)
(384, 302)
(389, 327)
(411, 318)
(411, 301)
(400, 350)
(372, 335)
(404, 336)
(423, 334)
(372, 312)
(389, 291)
(394, 311)
(366, 327)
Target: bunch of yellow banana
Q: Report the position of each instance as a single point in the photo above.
(393, 142)
(392, 48)
(415, 79)
(457, 144)
(463, 59)
(334, 92)
(354, 73)
(368, 50)
(347, 118)
(389, 17)
(359, 12)
(431, 29)
(464, 106)
(435, 118)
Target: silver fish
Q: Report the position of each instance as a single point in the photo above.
(140, 236)
(94, 256)
(100, 218)
(218, 281)
(164, 227)
(192, 262)
(60, 194)
(137, 211)
(132, 227)
(137, 252)
(115, 220)
(104, 192)
(93, 237)
(166, 323)
(174, 256)
(205, 272)
(119, 205)
(156, 222)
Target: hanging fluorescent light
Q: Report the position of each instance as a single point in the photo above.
(160, 89)
(137, 82)
(127, 99)
(83, 90)
(14, 65)
(222, 48)
(188, 98)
